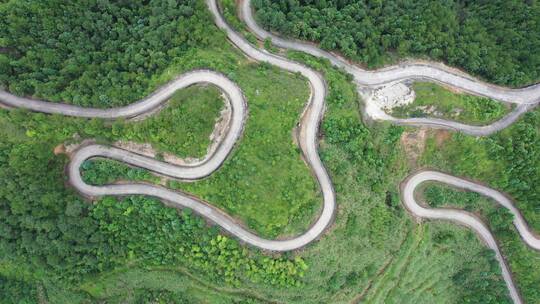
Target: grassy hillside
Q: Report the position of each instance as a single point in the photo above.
(436, 101)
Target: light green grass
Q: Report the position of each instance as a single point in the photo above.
(433, 100)
(264, 180)
(128, 285)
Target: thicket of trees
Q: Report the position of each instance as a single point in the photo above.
(94, 53)
(15, 291)
(498, 40)
(104, 171)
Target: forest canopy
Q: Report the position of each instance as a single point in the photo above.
(498, 39)
(94, 53)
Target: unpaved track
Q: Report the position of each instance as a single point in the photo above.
(308, 130)
(467, 219)
(527, 98)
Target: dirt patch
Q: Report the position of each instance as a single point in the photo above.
(452, 88)
(414, 143)
(441, 136)
(60, 149)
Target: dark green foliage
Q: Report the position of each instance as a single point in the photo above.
(498, 40)
(41, 219)
(160, 297)
(16, 292)
(102, 172)
(480, 285)
(139, 228)
(94, 53)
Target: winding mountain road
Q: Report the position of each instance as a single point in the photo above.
(527, 98)
(308, 130)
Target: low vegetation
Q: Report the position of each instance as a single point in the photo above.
(265, 181)
(435, 101)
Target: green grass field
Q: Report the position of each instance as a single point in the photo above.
(433, 100)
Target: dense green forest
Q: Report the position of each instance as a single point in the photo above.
(94, 53)
(17, 292)
(493, 39)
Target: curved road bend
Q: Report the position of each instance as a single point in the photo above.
(308, 130)
(408, 70)
(467, 219)
(526, 98)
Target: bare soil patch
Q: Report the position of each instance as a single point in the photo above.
(414, 143)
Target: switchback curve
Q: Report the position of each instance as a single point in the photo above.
(308, 131)
(526, 98)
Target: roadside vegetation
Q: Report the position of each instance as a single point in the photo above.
(436, 101)
(480, 37)
(101, 172)
(523, 261)
(508, 161)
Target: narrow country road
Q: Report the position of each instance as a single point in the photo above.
(308, 141)
(466, 218)
(526, 98)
